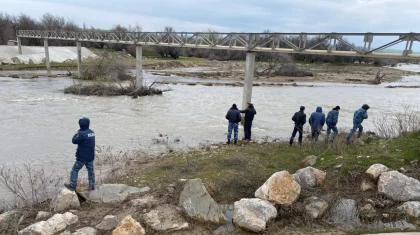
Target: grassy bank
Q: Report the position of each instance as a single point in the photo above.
(234, 172)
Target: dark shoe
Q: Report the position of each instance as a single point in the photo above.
(228, 142)
(69, 187)
(236, 142)
(92, 188)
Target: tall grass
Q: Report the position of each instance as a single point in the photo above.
(398, 124)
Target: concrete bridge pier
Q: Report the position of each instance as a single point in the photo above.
(19, 42)
(249, 78)
(139, 65)
(79, 58)
(47, 55)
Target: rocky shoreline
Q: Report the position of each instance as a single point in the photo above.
(119, 209)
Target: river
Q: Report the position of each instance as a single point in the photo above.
(37, 120)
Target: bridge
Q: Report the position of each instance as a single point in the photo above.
(252, 43)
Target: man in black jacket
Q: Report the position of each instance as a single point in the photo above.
(250, 112)
(234, 117)
(300, 119)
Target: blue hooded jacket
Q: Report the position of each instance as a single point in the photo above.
(85, 141)
(332, 118)
(360, 115)
(317, 119)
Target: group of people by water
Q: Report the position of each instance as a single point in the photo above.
(85, 137)
(317, 120)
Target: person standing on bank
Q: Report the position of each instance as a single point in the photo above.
(300, 119)
(85, 154)
(332, 120)
(317, 121)
(234, 118)
(250, 112)
(359, 116)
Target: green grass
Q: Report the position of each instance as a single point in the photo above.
(37, 66)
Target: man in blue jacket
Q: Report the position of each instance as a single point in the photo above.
(85, 154)
(317, 121)
(332, 120)
(359, 116)
(234, 118)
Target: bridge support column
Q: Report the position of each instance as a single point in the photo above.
(139, 65)
(19, 42)
(47, 55)
(249, 78)
(79, 58)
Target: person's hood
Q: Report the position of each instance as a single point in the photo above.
(319, 110)
(234, 107)
(365, 107)
(84, 123)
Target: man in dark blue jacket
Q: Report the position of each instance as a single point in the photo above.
(234, 117)
(317, 121)
(359, 116)
(332, 120)
(250, 112)
(85, 154)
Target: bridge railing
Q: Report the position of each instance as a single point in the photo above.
(305, 43)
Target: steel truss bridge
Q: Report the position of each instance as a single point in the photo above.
(300, 43)
(292, 43)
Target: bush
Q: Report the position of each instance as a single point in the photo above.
(105, 68)
(103, 88)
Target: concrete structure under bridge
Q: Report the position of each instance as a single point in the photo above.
(290, 43)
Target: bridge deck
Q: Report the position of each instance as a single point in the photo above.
(302, 43)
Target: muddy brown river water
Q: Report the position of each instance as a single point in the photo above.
(37, 120)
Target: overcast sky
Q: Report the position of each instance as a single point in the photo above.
(233, 15)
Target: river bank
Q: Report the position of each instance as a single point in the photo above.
(231, 173)
(230, 70)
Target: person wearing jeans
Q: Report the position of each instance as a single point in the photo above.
(300, 119)
(332, 120)
(85, 154)
(250, 112)
(359, 116)
(234, 117)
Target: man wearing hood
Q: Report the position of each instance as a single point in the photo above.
(250, 112)
(300, 119)
(359, 116)
(85, 154)
(234, 118)
(317, 121)
(332, 120)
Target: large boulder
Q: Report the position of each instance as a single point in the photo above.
(309, 177)
(376, 170)
(129, 226)
(85, 231)
(253, 214)
(64, 200)
(411, 209)
(55, 224)
(309, 160)
(315, 207)
(165, 218)
(343, 214)
(198, 204)
(110, 193)
(280, 189)
(108, 223)
(399, 187)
